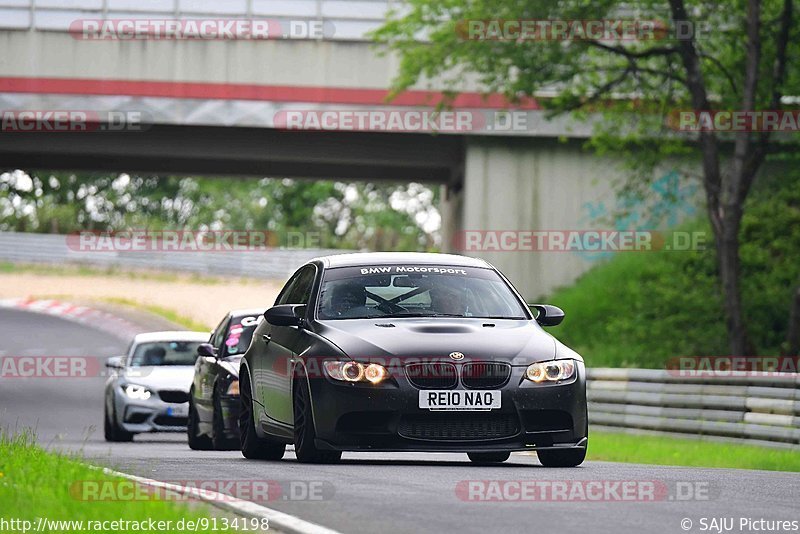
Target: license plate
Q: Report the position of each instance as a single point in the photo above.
(459, 400)
(179, 410)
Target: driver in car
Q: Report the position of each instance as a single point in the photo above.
(349, 300)
(447, 301)
(154, 356)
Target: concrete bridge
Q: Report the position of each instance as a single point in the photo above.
(286, 105)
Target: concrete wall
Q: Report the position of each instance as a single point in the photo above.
(533, 184)
(543, 184)
(272, 62)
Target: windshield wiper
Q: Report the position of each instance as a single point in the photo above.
(424, 314)
(513, 317)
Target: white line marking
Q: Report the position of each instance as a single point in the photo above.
(279, 520)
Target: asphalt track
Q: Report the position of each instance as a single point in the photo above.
(384, 493)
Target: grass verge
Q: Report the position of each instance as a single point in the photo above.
(664, 450)
(77, 269)
(35, 483)
(166, 313)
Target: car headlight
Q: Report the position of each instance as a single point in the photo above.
(233, 388)
(356, 372)
(550, 371)
(137, 392)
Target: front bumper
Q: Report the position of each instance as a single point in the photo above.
(151, 415)
(387, 417)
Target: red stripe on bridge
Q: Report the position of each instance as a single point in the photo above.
(273, 93)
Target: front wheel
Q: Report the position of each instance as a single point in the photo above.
(304, 432)
(196, 441)
(252, 446)
(488, 457)
(565, 458)
(111, 430)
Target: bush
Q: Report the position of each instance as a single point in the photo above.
(639, 310)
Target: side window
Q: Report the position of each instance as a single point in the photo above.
(219, 333)
(283, 296)
(300, 292)
(126, 360)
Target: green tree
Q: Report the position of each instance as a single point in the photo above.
(375, 216)
(740, 63)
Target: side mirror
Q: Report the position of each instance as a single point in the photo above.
(206, 350)
(547, 315)
(115, 362)
(285, 315)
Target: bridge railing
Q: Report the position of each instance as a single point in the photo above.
(346, 19)
(761, 410)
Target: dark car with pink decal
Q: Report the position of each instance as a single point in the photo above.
(214, 395)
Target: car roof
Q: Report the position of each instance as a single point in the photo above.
(171, 335)
(382, 258)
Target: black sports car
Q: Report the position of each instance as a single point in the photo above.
(214, 394)
(410, 352)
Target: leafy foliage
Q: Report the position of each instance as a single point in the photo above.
(640, 309)
(381, 216)
(739, 57)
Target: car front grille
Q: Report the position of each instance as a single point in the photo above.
(175, 396)
(459, 426)
(485, 375)
(444, 375)
(432, 375)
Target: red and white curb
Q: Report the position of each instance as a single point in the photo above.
(280, 521)
(85, 315)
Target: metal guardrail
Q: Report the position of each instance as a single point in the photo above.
(760, 410)
(53, 249)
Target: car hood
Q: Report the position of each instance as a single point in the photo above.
(176, 377)
(516, 342)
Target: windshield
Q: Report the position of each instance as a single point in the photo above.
(416, 291)
(240, 333)
(165, 353)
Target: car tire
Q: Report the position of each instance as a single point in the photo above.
(252, 446)
(565, 458)
(218, 438)
(196, 442)
(111, 430)
(304, 432)
(488, 457)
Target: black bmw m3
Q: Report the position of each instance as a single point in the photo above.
(410, 352)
